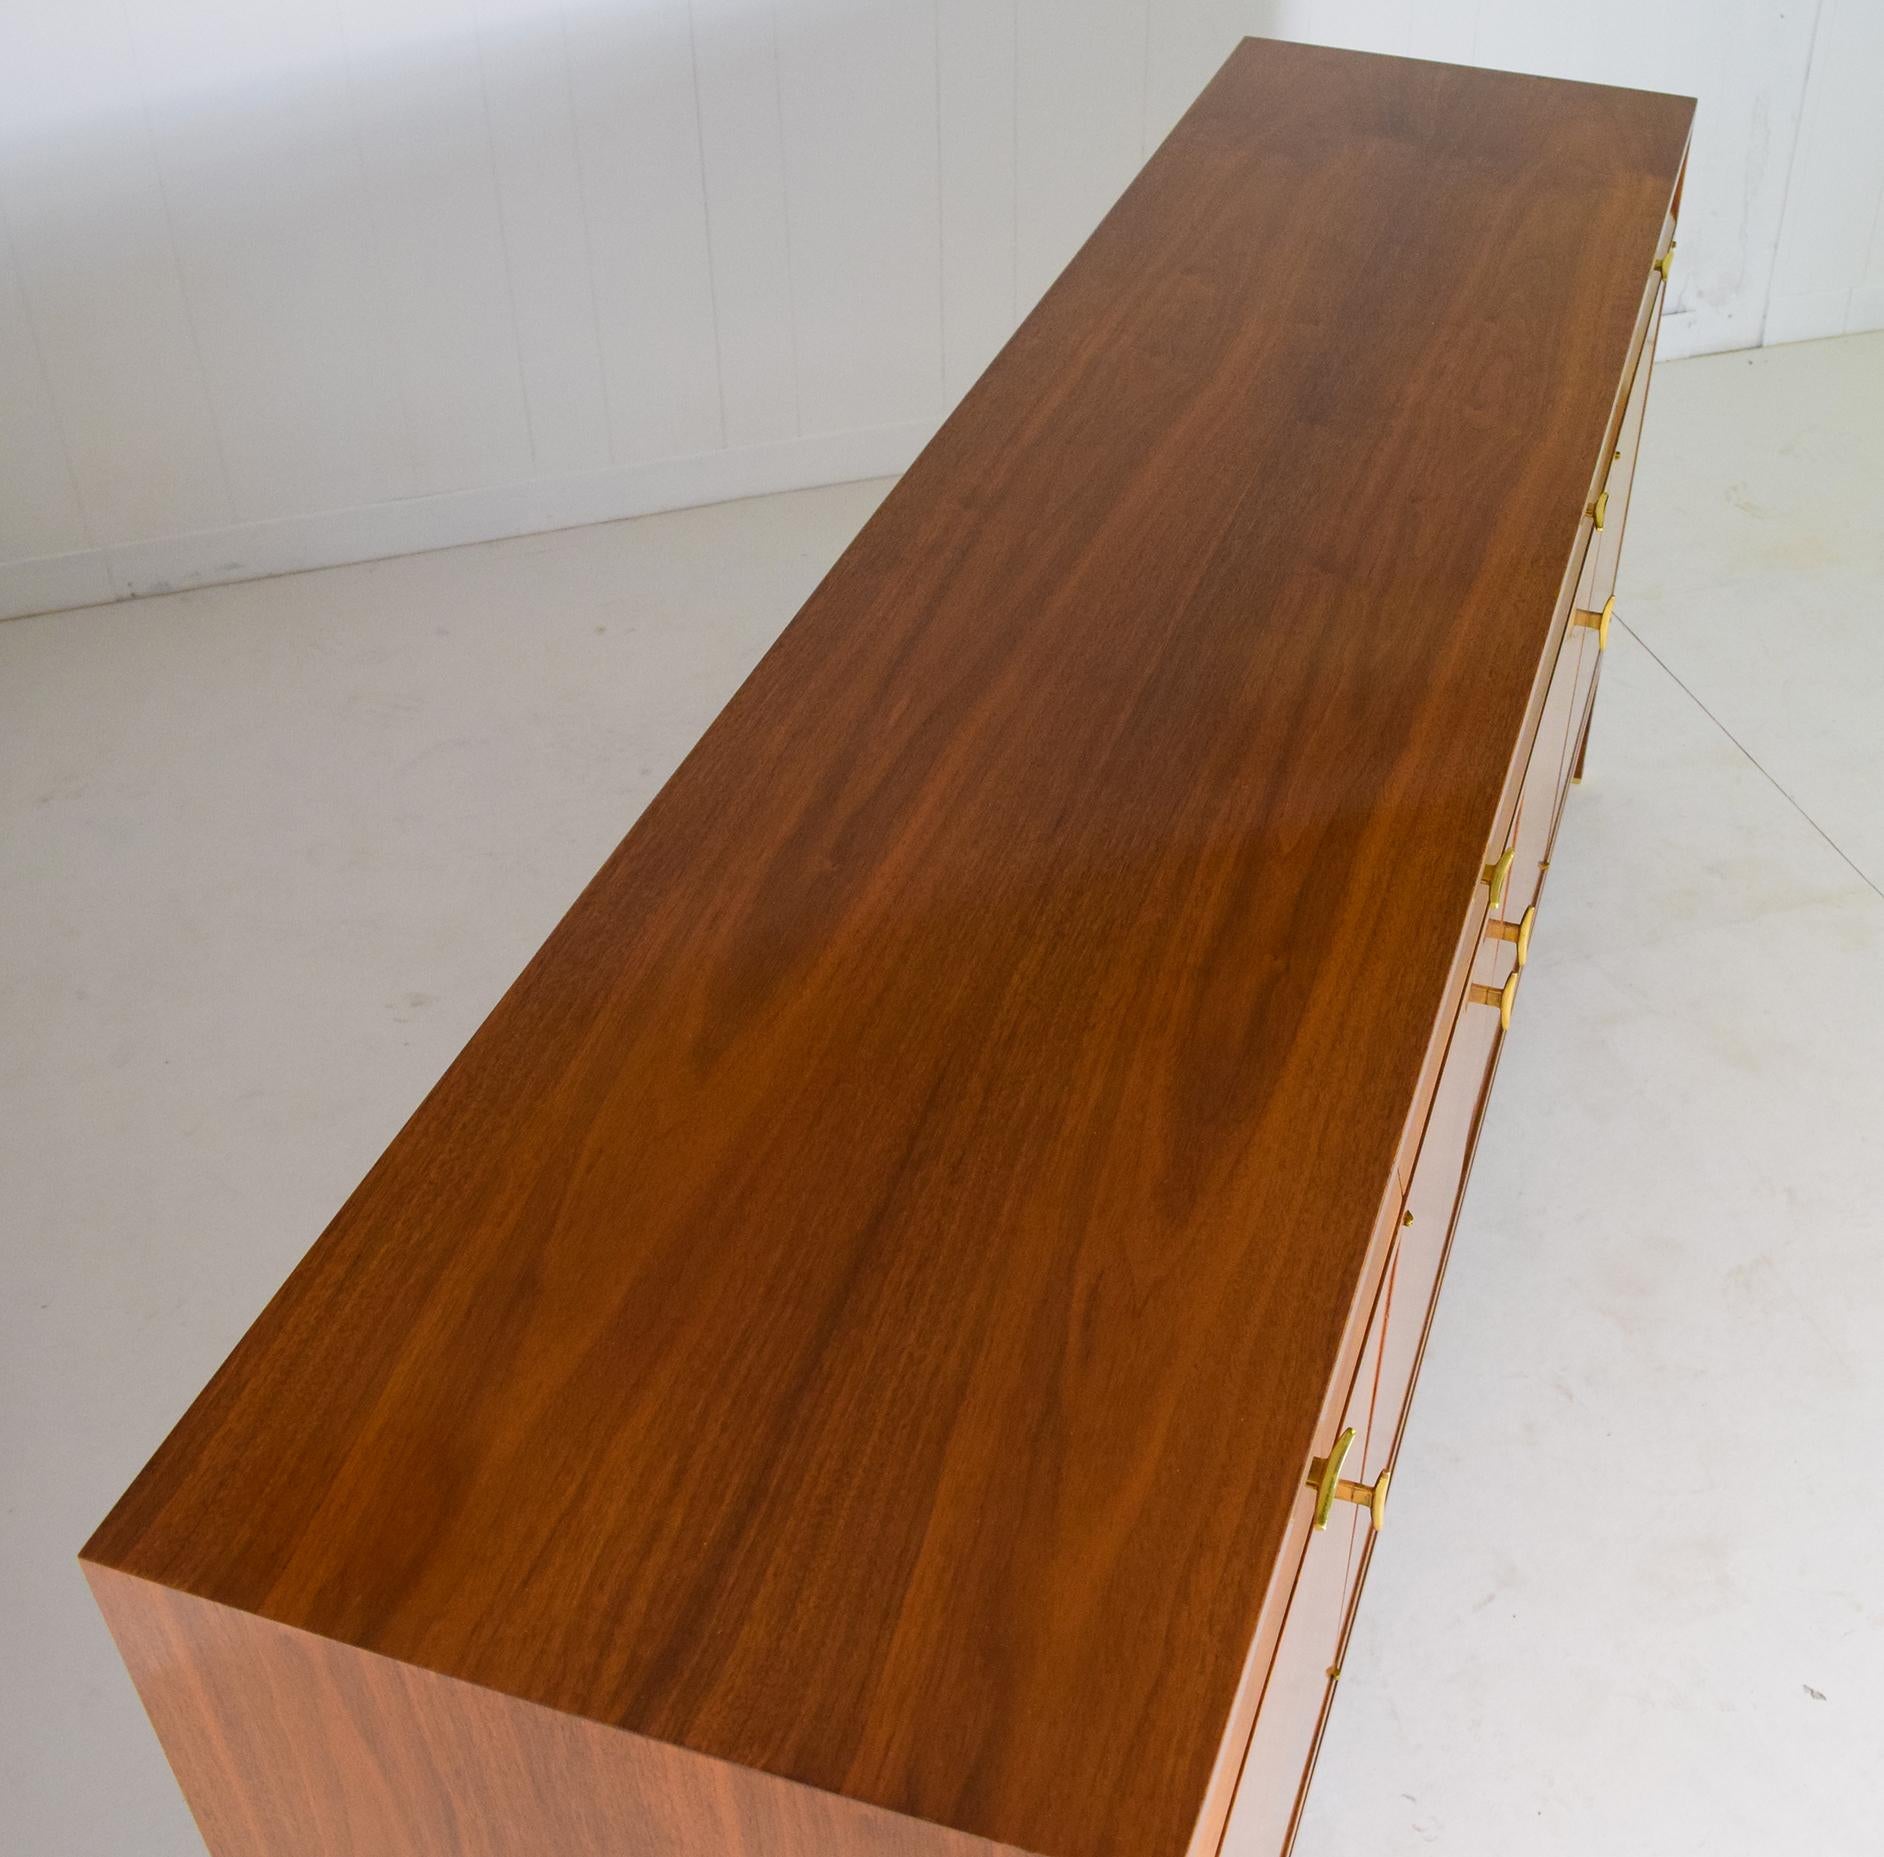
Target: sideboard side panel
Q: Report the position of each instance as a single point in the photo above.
(289, 1745)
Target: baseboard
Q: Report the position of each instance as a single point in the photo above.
(331, 538)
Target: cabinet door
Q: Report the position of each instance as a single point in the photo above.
(1295, 1697)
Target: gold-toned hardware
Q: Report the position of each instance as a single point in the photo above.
(1325, 1472)
(1665, 260)
(1406, 1218)
(1599, 510)
(1504, 997)
(1497, 875)
(1519, 931)
(1330, 1486)
(1334, 1673)
(1376, 1500)
(1597, 622)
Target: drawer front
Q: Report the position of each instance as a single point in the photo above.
(1439, 1166)
(1296, 1693)
(1580, 738)
(1431, 1206)
(1302, 1678)
(1596, 591)
(1545, 780)
(1300, 1683)
(1599, 580)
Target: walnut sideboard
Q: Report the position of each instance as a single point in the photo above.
(892, 1339)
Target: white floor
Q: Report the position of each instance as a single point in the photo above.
(271, 851)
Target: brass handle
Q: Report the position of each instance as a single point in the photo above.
(1519, 931)
(1597, 622)
(1504, 997)
(1599, 510)
(1497, 876)
(1330, 1486)
(1665, 260)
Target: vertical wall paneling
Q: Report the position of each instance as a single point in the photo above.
(40, 512)
(97, 268)
(743, 145)
(639, 135)
(253, 136)
(432, 189)
(1446, 30)
(1359, 25)
(1836, 188)
(975, 103)
(1083, 118)
(1187, 43)
(1866, 308)
(858, 93)
(306, 281)
(523, 54)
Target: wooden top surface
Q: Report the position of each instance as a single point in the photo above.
(859, 1305)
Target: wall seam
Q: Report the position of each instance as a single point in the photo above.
(45, 377)
(1792, 165)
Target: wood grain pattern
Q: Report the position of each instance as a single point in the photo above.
(858, 1309)
(1295, 1691)
(1601, 562)
(293, 1746)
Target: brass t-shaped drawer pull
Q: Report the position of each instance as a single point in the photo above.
(1597, 622)
(1504, 997)
(1330, 1486)
(1497, 874)
(1519, 931)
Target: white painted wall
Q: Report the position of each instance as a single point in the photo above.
(314, 280)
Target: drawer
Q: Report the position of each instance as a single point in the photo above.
(1511, 897)
(1580, 739)
(1574, 670)
(1596, 588)
(1438, 1166)
(1437, 1156)
(1432, 1204)
(1301, 1675)
(1605, 552)
(1541, 796)
(1300, 1685)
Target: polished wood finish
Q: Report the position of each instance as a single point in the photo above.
(291, 1742)
(857, 1314)
(1443, 1134)
(1599, 574)
(1296, 1688)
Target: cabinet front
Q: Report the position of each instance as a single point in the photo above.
(1295, 1697)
